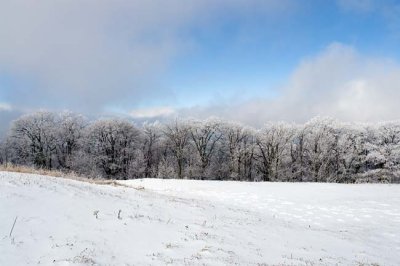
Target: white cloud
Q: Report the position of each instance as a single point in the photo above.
(338, 82)
(344, 84)
(5, 107)
(151, 113)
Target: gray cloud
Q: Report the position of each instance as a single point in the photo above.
(87, 55)
(85, 52)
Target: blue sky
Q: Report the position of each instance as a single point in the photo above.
(258, 54)
(201, 58)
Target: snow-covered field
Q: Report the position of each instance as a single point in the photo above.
(183, 222)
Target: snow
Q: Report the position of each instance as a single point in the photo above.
(184, 222)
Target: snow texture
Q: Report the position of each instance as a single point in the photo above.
(181, 222)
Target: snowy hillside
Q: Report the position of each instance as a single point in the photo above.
(158, 222)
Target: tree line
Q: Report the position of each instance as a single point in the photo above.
(321, 150)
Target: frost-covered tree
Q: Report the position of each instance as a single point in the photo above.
(69, 133)
(382, 149)
(239, 142)
(177, 135)
(235, 138)
(322, 150)
(205, 136)
(111, 144)
(321, 141)
(34, 139)
(152, 141)
(298, 154)
(272, 146)
(6, 151)
(389, 140)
